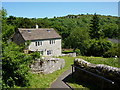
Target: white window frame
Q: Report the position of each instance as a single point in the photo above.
(52, 41)
(38, 43)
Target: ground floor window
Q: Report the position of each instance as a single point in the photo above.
(49, 52)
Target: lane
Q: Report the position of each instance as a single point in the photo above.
(59, 83)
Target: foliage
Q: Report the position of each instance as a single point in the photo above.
(95, 31)
(78, 52)
(15, 66)
(77, 38)
(3, 12)
(95, 47)
(7, 32)
(111, 30)
(35, 55)
(14, 62)
(112, 52)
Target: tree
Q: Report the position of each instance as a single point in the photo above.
(15, 66)
(113, 51)
(111, 30)
(77, 38)
(95, 31)
(97, 47)
(7, 30)
(3, 12)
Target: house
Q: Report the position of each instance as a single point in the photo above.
(45, 40)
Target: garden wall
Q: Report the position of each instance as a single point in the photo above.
(47, 65)
(101, 75)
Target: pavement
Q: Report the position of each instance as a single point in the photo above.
(60, 83)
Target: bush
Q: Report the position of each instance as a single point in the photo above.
(78, 51)
(112, 52)
(98, 47)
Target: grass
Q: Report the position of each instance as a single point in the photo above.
(44, 81)
(100, 60)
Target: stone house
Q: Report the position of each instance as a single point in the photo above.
(45, 40)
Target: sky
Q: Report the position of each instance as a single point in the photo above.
(51, 9)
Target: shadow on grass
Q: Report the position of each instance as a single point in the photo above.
(71, 79)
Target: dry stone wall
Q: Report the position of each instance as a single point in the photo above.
(47, 65)
(108, 72)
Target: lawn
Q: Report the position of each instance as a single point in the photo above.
(44, 81)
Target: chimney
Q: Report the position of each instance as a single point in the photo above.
(36, 26)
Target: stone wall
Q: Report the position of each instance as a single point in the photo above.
(47, 65)
(98, 74)
(69, 54)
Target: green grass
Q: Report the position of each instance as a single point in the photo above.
(100, 60)
(44, 81)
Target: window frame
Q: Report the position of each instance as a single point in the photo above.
(52, 41)
(38, 43)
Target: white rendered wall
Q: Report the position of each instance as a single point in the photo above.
(56, 47)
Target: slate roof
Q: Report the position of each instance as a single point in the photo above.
(37, 34)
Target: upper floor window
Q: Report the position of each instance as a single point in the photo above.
(38, 43)
(52, 41)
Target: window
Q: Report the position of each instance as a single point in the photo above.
(49, 52)
(52, 41)
(35, 43)
(38, 43)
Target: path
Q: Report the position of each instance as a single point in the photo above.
(59, 83)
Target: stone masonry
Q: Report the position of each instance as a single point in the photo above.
(47, 65)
